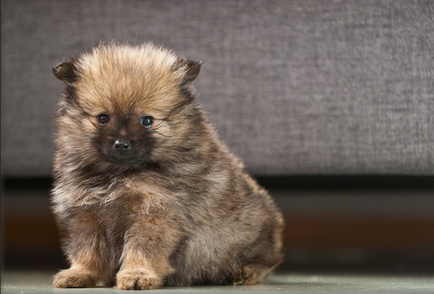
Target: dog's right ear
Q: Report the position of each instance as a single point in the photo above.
(65, 71)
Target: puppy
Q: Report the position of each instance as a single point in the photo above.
(145, 194)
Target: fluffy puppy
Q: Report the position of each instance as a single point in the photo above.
(145, 194)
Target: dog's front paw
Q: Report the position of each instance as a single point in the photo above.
(73, 278)
(137, 279)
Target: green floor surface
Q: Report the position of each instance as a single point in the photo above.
(40, 282)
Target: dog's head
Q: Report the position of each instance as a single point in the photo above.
(127, 105)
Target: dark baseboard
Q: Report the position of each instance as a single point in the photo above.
(296, 182)
(347, 182)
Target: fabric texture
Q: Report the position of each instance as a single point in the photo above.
(292, 87)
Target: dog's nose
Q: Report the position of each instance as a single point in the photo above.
(121, 145)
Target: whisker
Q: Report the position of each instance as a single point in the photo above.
(161, 134)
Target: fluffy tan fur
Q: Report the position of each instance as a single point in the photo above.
(172, 207)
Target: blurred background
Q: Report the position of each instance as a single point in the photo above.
(330, 104)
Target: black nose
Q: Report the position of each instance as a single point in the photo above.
(121, 145)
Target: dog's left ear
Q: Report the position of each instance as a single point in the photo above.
(65, 71)
(192, 69)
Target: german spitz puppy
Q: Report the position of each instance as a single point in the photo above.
(145, 194)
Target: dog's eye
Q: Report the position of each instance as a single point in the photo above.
(147, 121)
(103, 119)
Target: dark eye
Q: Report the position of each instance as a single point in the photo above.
(147, 121)
(103, 119)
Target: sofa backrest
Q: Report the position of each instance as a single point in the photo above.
(292, 87)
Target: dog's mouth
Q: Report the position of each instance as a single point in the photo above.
(127, 159)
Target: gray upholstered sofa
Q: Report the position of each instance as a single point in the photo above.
(293, 87)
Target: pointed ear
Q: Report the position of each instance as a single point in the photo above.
(192, 69)
(65, 71)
